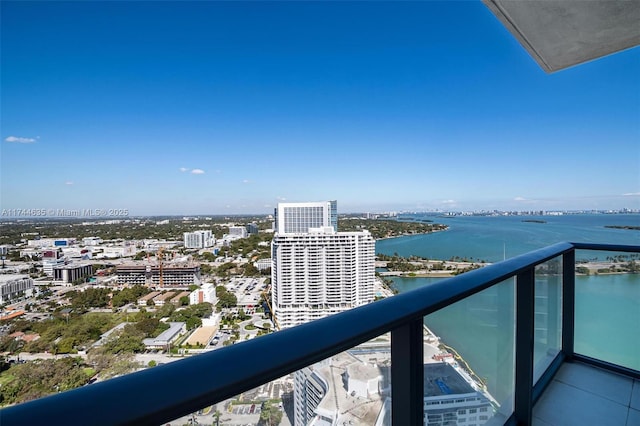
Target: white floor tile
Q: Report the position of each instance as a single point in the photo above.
(599, 382)
(565, 405)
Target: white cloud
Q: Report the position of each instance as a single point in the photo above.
(18, 139)
(246, 181)
(68, 183)
(197, 172)
(184, 169)
(631, 194)
(519, 199)
(448, 202)
(281, 199)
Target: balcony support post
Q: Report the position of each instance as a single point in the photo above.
(525, 311)
(407, 374)
(568, 303)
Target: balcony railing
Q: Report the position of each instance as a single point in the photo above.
(161, 394)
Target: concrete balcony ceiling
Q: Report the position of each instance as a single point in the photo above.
(561, 33)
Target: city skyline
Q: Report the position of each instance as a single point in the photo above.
(229, 108)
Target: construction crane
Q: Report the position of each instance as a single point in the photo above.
(160, 258)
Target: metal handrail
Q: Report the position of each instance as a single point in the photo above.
(164, 393)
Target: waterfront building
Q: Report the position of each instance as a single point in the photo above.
(292, 218)
(450, 399)
(350, 388)
(320, 273)
(315, 270)
(13, 286)
(71, 273)
(354, 388)
(198, 239)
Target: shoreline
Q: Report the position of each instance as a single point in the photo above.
(451, 269)
(413, 234)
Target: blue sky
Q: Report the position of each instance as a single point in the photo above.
(230, 107)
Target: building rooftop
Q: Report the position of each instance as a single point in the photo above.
(440, 378)
(353, 409)
(5, 278)
(167, 335)
(72, 266)
(164, 296)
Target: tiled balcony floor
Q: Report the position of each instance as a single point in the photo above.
(583, 395)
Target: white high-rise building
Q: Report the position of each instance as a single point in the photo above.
(292, 218)
(316, 270)
(198, 239)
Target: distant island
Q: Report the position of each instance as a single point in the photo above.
(535, 220)
(389, 228)
(635, 228)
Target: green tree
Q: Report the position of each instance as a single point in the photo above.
(271, 415)
(226, 299)
(249, 270)
(147, 326)
(128, 340)
(37, 379)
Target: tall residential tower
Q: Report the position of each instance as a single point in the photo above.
(316, 270)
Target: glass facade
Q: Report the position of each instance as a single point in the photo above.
(548, 315)
(480, 348)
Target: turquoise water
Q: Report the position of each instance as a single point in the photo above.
(492, 238)
(481, 328)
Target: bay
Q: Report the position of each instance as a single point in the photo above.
(481, 329)
(494, 238)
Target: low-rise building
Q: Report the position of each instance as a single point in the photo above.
(113, 252)
(144, 300)
(162, 298)
(164, 340)
(206, 293)
(13, 286)
(70, 273)
(262, 264)
(176, 299)
(91, 241)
